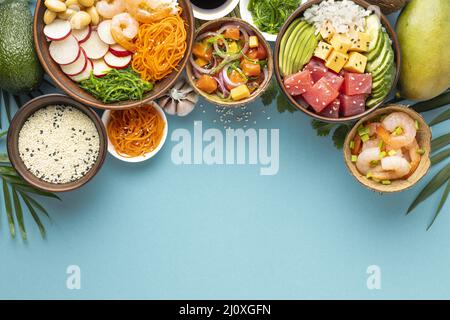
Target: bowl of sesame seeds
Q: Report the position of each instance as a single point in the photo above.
(56, 144)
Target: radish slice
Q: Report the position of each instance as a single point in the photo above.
(104, 32)
(117, 62)
(82, 34)
(100, 68)
(85, 74)
(94, 47)
(76, 67)
(119, 51)
(65, 51)
(57, 30)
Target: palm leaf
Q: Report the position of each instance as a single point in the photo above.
(435, 183)
(8, 207)
(444, 116)
(441, 156)
(4, 158)
(35, 204)
(434, 103)
(34, 215)
(441, 204)
(29, 189)
(440, 142)
(7, 103)
(19, 214)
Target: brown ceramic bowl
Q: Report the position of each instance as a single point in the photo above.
(423, 137)
(214, 25)
(299, 13)
(13, 137)
(72, 89)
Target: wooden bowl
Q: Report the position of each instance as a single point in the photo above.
(423, 139)
(298, 13)
(214, 25)
(72, 89)
(13, 137)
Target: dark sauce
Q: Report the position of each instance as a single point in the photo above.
(208, 4)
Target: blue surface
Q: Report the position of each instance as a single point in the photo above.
(157, 230)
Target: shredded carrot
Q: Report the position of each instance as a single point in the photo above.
(135, 132)
(159, 47)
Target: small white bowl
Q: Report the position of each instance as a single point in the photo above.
(105, 119)
(213, 14)
(246, 15)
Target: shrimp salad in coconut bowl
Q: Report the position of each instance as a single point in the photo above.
(116, 50)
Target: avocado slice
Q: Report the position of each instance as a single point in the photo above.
(371, 55)
(373, 26)
(20, 70)
(287, 54)
(378, 61)
(284, 40)
(302, 48)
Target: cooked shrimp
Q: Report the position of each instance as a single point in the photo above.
(124, 29)
(109, 8)
(391, 123)
(373, 128)
(372, 143)
(147, 11)
(366, 160)
(414, 157)
(394, 167)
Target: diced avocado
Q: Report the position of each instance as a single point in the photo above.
(373, 27)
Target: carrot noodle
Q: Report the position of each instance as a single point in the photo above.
(159, 47)
(135, 132)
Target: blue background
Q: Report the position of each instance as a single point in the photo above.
(161, 231)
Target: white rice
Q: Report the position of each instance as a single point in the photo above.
(59, 144)
(343, 15)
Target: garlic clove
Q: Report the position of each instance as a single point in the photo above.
(184, 107)
(192, 97)
(171, 107)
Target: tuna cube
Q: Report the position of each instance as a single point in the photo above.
(317, 69)
(352, 105)
(298, 83)
(356, 83)
(332, 111)
(320, 95)
(334, 80)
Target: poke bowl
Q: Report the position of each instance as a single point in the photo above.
(337, 61)
(113, 54)
(231, 62)
(389, 150)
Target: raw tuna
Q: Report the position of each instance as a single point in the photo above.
(356, 83)
(332, 111)
(352, 105)
(334, 80)
(317, 69)
(320, 95)
(298, 83)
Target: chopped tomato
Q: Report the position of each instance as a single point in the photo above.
(207, 84)
(202, 50)
(262, 53)
(358, 145)
(232, 33)
(250, 68)
(252, 54)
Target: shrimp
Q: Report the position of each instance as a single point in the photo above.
(366, 160)
(393, 167)
(414, 157)
(124, 29)
(146, 11)
(373, 128)
(391, 123)
(372, 143)
(109, 8)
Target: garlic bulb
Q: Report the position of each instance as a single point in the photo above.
(180, 99)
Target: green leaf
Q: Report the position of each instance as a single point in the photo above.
(323, 128)
(19, 214)
(434, 103)
(269, 95)
(34, 215)
(339, 135)
(283, 104)
(444, 116)
(441, 156)
(4, 133)
(7, 103)
(30, 189)
(435, 183)
(4, 158)
(35, 204)
(440, 142)
(441, 204)
(8, 207)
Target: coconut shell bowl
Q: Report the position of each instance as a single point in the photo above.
(72, 89)
(423, 138)
(215, 25)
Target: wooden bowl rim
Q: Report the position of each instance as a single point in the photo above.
(60, 78)
(395, 45)
(397, 185)
(13, 135)
(270, 65)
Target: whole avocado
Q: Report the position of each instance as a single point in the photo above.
(423, 30)
(20, 70)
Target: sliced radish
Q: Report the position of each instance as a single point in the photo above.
(117, 62)
(85, 74)
(94, 47)
(76, 67)
(82, 34)
(58, 30)
(65, 51)
(119, 51)
(100, 68)
(104, 32)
